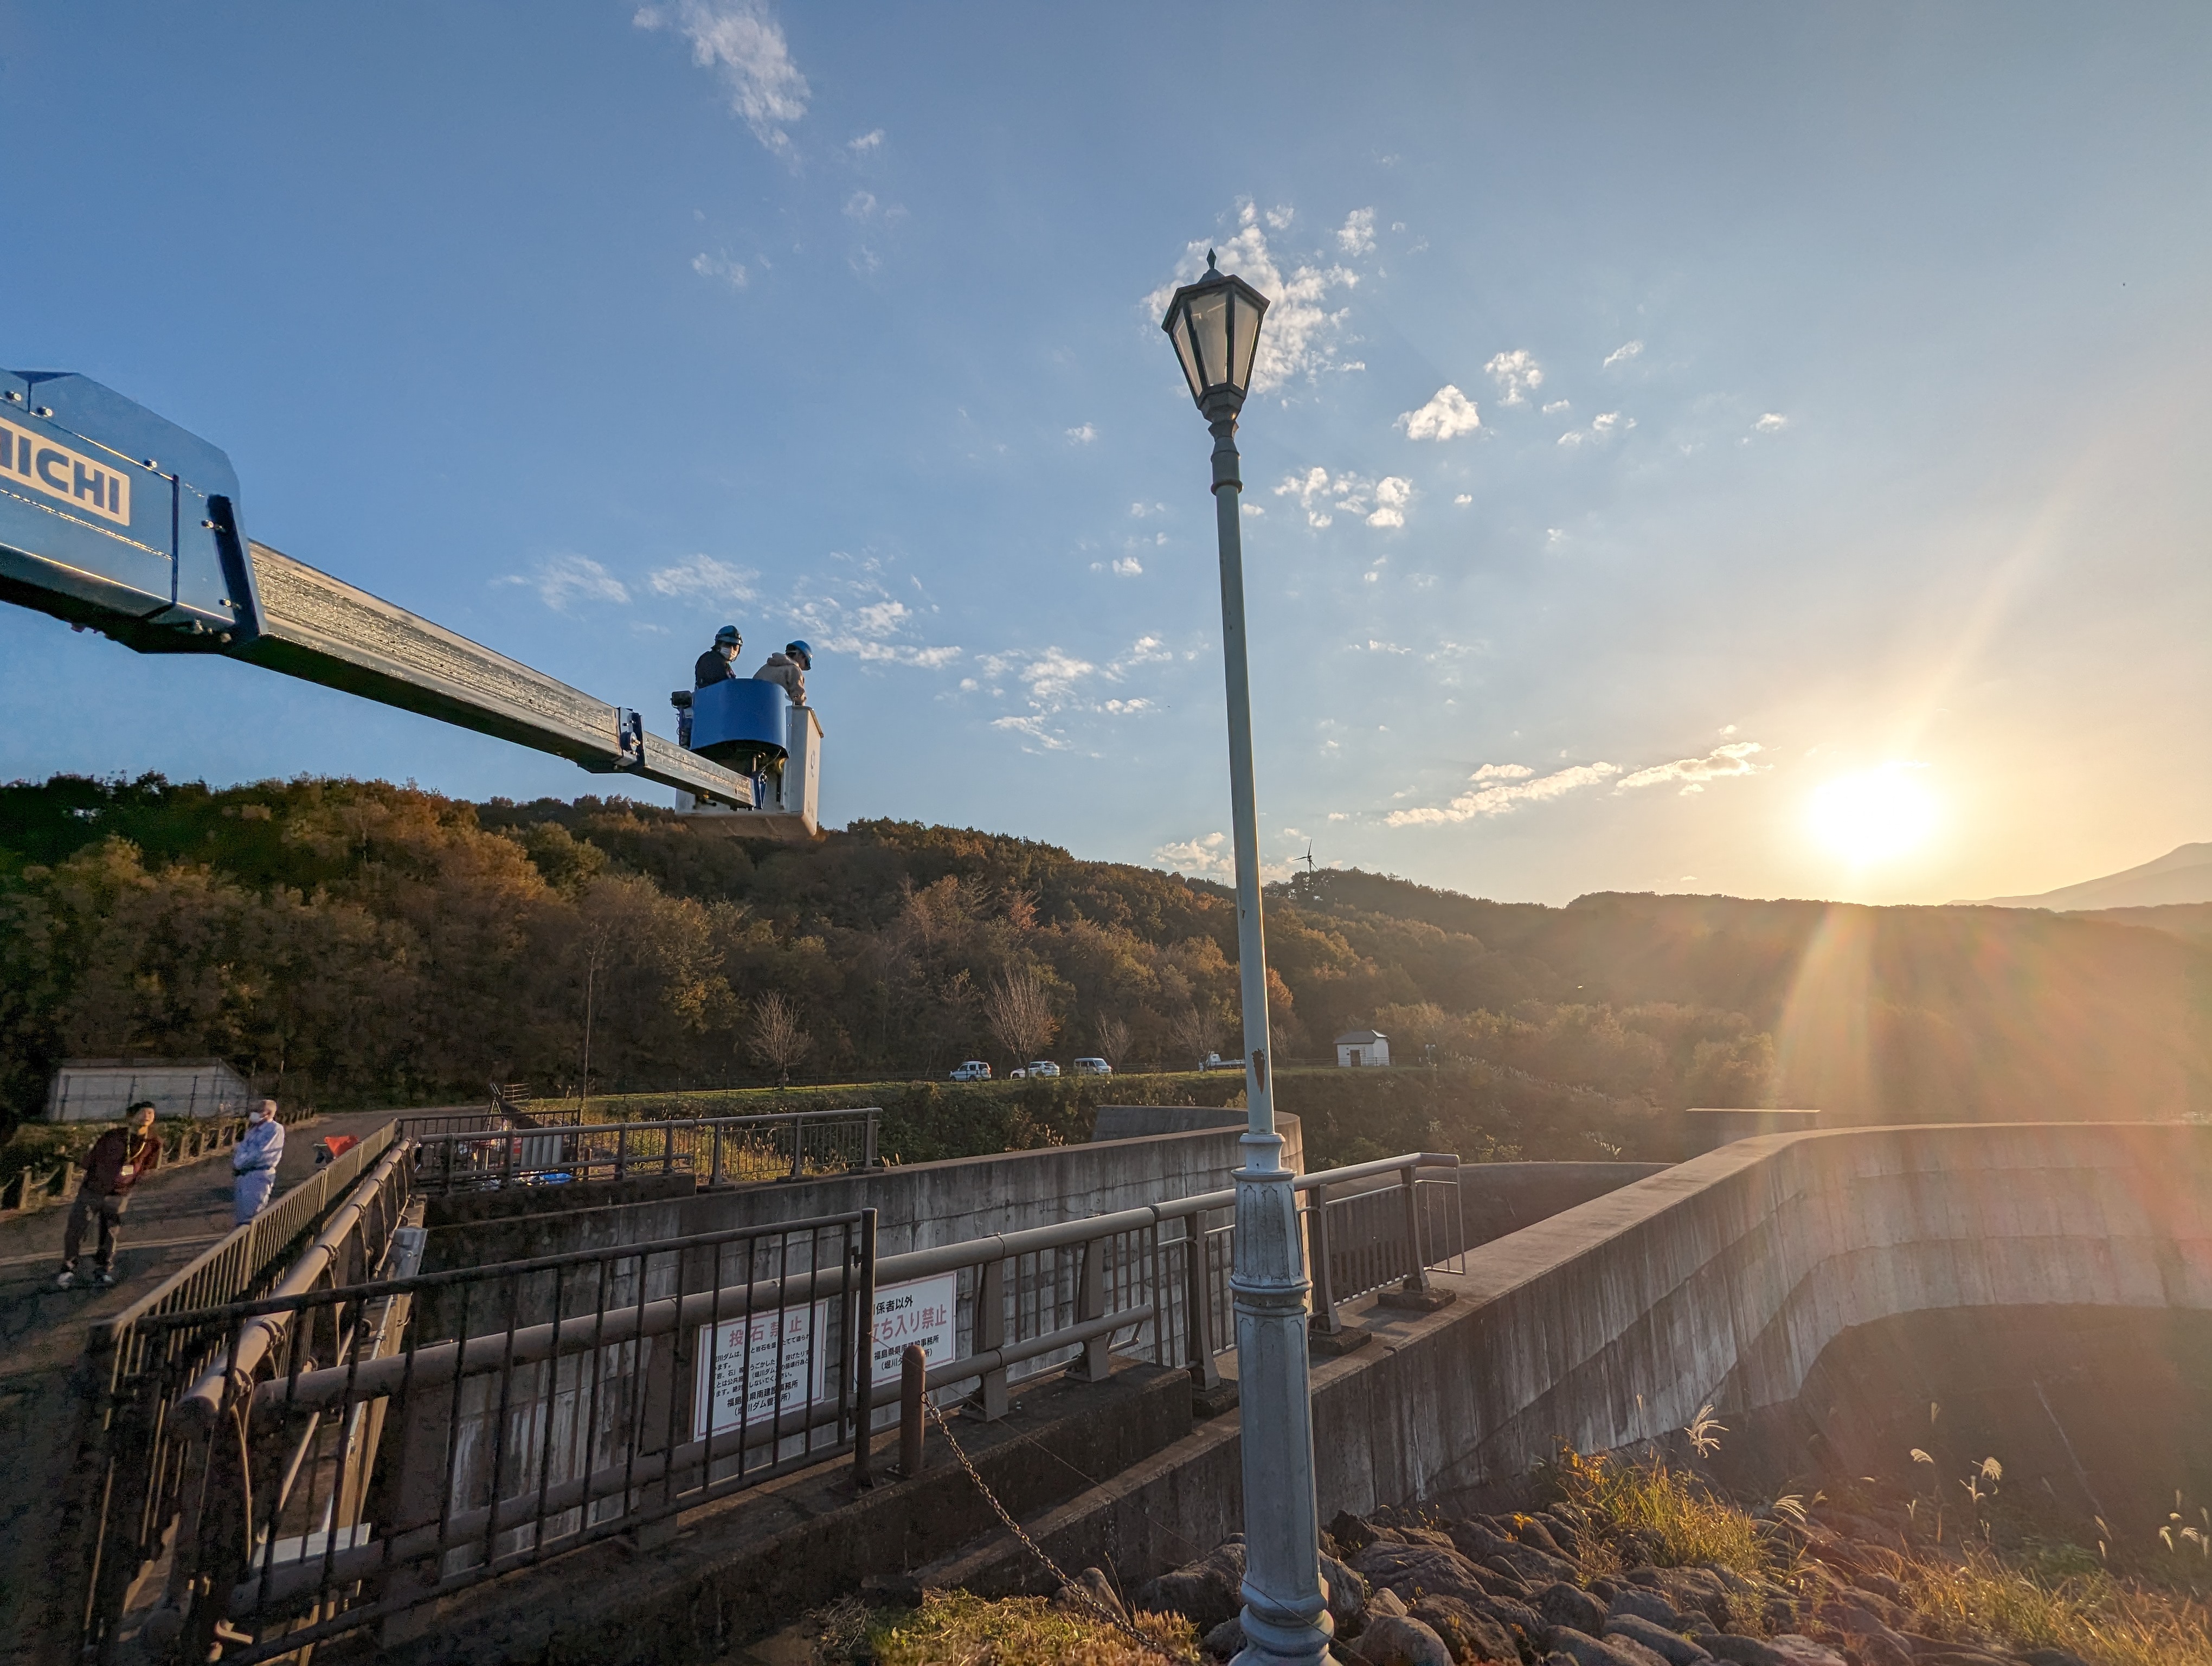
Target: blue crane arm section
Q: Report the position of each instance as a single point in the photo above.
(118, 521)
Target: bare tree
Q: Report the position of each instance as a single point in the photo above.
(1197, 1030)
(1113, 1039)
(774, 1036)
(1019, 1008)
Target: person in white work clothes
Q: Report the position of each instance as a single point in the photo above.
(254, 1158)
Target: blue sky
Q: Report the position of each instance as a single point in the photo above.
(1671, 411)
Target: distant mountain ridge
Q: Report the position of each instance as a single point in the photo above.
(2183, 874)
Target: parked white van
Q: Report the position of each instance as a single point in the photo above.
(975, 1070)
(1093, 1067)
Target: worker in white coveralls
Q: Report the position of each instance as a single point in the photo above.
(253, 1160)
(789, 668)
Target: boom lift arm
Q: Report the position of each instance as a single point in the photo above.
(118, 521)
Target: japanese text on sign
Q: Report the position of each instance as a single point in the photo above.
(750, 1371)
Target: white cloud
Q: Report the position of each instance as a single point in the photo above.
(1605, 422)
(1035, 728)
(1464, 498)
(1128, 707)
(703, 579)
(1084, 435)
(860, 205)
(1144, 651)
(564, 579)
(1509, 786)
(1773, 423)
(1558, 405)
(1392, 495)
(1447, 416)
(892, 654)
(1733, 759)
(1210, 856)
(740, 39)
(1516, 373)
(730, 271)
(1573, 436)
(1252, 508)
(865, 143)
(1145, 511)
(1300, 336)
(1321, 495)
(1127, 566)
(1357, 234)
(1554, 537)
(1622, 354)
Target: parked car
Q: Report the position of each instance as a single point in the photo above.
(1017, 1073)
(1043, 1068)
(1215, 1062)
(975, 1070)
(1093, 1067)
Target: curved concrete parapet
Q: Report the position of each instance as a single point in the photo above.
(1724, 1278)
(1721, 1278)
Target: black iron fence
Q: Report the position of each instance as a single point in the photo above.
(716, 1150)
(130, 1463)
(408, 1437)
(334, 1455)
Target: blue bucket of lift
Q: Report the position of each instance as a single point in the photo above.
(740, 723)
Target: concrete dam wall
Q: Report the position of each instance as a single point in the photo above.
(1724, 1279)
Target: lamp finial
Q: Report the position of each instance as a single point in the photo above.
(1209, 260)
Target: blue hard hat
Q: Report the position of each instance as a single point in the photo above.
(729, 634)
(799, 650)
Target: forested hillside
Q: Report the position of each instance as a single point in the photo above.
(369, 943)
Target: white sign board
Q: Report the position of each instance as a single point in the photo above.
(750, 1370)
(919, 1311)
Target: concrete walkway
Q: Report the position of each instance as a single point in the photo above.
(174, 1216)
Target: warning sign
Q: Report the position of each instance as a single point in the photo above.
(750, 1371)
(919, 1310)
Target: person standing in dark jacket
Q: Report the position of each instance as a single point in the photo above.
(118, 1160)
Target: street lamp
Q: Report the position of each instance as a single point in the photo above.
(1215, 325)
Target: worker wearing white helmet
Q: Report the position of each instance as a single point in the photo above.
(789, 668)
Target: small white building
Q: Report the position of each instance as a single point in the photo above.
(1355, 1047)
(98, 1090)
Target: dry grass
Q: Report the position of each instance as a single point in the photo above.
(2092, 1614)
(1676, 1517)
(954, 1628)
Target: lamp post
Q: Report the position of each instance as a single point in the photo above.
(1215, 325)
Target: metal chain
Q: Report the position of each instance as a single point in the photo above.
(1036, 1550)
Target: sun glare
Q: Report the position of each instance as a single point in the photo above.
(1874, 816)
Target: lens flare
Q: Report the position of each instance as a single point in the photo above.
(1876, 816)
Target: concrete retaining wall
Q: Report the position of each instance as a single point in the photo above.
(919, 1204)
(1720, 1279)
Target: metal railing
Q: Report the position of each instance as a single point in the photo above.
(129, 1465)
(414, 1435)
(715, 1150)
(428, 1432)
(1024, 1303)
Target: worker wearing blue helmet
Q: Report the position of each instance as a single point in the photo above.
(789, 668)
(717, 664)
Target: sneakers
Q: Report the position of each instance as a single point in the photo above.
(103, 1277)
(65, 1278)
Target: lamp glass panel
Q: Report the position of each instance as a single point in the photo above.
(1208, 315)
(1180, 335)
(1244, 341)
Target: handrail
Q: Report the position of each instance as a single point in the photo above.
(663, 1124)
(202, 1401)
(442, 1362)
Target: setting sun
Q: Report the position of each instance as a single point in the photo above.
(1874, 816)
